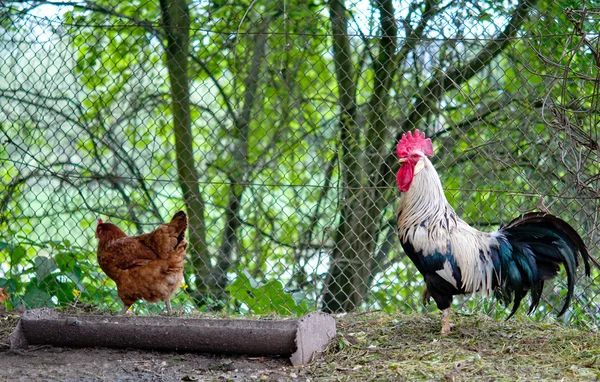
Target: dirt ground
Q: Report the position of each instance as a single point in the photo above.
(60, 364)
(370, 346)
(47, 363)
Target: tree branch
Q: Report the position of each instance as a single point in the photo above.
(442, 82)
(240, 162)
(414, 35)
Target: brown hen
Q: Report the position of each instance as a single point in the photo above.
(146, 267)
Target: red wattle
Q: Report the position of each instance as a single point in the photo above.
(405, 176)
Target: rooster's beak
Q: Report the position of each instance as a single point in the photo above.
(402, 160)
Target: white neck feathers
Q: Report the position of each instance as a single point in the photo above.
(425, 199)
(429, 223)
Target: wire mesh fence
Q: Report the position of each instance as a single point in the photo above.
(274, 125)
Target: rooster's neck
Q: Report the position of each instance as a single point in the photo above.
(429, 224)
(425, 198)
(425, 209)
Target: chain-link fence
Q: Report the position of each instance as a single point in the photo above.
(273, 125)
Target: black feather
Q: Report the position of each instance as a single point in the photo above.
(532, 250)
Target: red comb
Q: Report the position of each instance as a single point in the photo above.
(99, 221)
(410, 143)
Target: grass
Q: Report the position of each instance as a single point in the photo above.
(379, 346)
(376, 346)
(7, 324)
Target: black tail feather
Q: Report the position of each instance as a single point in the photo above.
(536, 295)
(532, 250)
(562, 228)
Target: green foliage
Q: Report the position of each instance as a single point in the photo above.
(110, 114)
(265, 297)
(52, 273)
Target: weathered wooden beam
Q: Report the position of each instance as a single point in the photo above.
(300, 340)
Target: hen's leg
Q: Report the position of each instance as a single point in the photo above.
(446, 325)
(125, 308)
(168, 302)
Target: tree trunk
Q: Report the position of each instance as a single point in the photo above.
(347, 258)
(176, 24)
(350, 273)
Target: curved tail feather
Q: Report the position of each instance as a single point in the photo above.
(531, 250)
(180, 224)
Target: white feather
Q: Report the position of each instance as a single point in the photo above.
(446, 273)
(429, 223)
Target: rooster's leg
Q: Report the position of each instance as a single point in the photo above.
(125, 308)
(168, 302)
(446, 325)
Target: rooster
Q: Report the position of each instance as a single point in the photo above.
(455, 258)
(149, 266)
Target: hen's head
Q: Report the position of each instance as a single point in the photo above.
(106, 231)
(411, 149)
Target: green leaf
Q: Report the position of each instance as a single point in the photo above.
(12, 284)
(17, 255)
(535, 80)
(35, 297)
(66, 261)
(44, 266)
(267, 297)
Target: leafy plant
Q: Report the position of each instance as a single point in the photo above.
(262, 297)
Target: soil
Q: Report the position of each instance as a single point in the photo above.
(47, 363)
(60, 364)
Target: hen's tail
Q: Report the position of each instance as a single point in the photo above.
(176, 258)
(167, 237)
(179, 223)
(532, 249)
